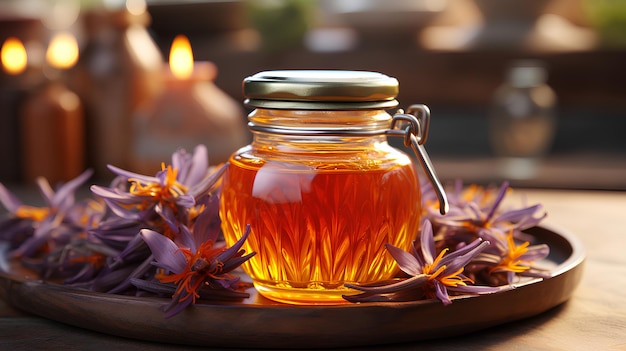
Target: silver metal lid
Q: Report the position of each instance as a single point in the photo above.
(320, 90)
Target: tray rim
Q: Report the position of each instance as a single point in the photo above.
(31, 295)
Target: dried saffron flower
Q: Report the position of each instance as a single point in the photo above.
(164, 203)
(431, 274)
(203, 265)
(31, 230)
(170, 194)
(477, 212)
(506, 259)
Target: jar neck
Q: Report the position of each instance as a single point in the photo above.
(314, 123)
(312, 129)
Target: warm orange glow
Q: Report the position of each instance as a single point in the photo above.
(13, 56)
(62, 52)
(181, 57)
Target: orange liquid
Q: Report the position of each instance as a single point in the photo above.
(315, 229)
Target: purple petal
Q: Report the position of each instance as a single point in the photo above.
(427, 242)
(198, 169)
(108, 279)
(116, 232)
(487, 258)
(161, 177)
(207, 183)
(67, 190)
(536, 252)
(441, 292)
(168, 215)
(138, 272)
(134, 248)
(46, 190)
(40, 237)
(181, 160)
(479, 289)
(476, 212)
(233, 263)
(127, 174)
(515, 216)
(529, 222)
(231, 251)
(407, 262)
(115, 194)
(10, 201)
(404, 284)
(207, 225)
(536, 273)
(461, 261)
(176, 306)
(115, 199)
(498, 200)
(186, 201)
(122, 211)
(166, 253)
(461, 251)
(186, 239)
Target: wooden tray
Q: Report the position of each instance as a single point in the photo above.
(258, 322)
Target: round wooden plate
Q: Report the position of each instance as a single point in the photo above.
(258, 322)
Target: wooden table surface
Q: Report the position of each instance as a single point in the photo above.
(593, 319)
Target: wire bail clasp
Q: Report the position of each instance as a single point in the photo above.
(415, 134)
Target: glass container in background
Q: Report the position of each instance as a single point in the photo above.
(21, 57)
(52, 120)
(522, 120)
(320, 187)
(120, 67)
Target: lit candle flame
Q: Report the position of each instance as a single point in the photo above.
(62, 52)
(181, 57)
(13, 56)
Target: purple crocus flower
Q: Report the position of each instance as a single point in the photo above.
(475, 209)
(431, 274)
(168, 195)
(476, 212)
(507, 257)
(53, 225)
(165, 203)
(201, 265)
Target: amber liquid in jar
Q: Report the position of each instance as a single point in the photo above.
(320, 219)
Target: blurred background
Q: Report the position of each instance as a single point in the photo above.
(529, 91)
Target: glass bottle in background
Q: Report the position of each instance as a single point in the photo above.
(52, 120)
(120, 68)
(522, 119)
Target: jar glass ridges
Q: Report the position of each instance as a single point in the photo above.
(319, 185)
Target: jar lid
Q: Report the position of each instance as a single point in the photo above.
(320, 90)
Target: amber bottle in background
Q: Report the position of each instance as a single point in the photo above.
(52, 125)
(52, 121)
(21, 56)
(119, 68)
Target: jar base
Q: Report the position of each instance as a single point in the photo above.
(304, 296)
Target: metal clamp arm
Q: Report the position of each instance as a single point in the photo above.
(415, 135)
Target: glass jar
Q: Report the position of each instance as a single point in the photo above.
(522, 121)
(319, 185)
